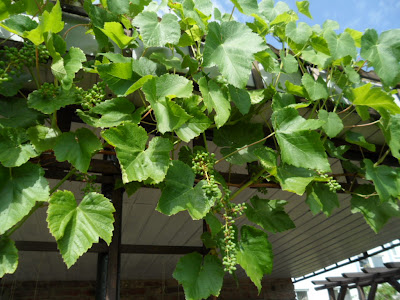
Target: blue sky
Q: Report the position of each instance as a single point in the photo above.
(381, 15)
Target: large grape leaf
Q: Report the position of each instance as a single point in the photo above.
(14, 147)
(268, 159)
(340, 45)
(158, 91)
(157, 33)
(294, 179)
(391, 129)
(300, 146)
(48, 103)
(200, 277)
(115, 32)
(48, 22)
(8, 256)
(300, 33)
(77, 147)
(72, 63)
(138, 163)
(20, 188)
(76, 227)
(216, 99)
(269, 214)
(231, 46)
(333, 125)
(358, 139)
(241, 98)
(271, 11)
(113, 112)
(16, 113)
(385, 178)
(247, 7)
(254, 254)
(375, 213)
(235, 137)
(316, 89)
(321, 198)
(43, 138)
(383, 53)
(367, 95)
(197, 124)
(178, 193)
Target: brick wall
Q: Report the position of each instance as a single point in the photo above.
(273, 289)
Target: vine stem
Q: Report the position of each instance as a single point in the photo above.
(73, 27)
(70, 173)
(233, 10)
(37, 65)
(346, 109)
(382, 158)
(247, 146)
(363, 125)
(247, 184)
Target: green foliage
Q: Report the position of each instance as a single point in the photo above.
(76, 227)
(159, 82)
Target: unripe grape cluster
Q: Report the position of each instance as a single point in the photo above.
(48, 90)
(203, 163)
(12, 60)
(332, 183)
(93, 96)
(229, 261)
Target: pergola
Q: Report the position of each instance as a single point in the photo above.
(370, 277)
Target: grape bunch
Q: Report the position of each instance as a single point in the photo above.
(229, 261)
(12, 60)
(49, 90)
(93, 96)
(203, 163)
(331, 183)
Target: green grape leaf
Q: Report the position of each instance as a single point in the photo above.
(231, 46)
(303, 7)
(235, 137)
(178, 193)
(43, 138)
(158, 91)
(290, 64)
(300, 33)
(391, 130)
(270, 12)
(195, 125)
(247, 7)
(241, 98)
(385, 178)
(268, 60)
(358, 139)
(376, 98)
(48, 22)
(138, 164)
(300, 147)
(321, 198)
(72, 64)
(254, 254)
(294, 179)
(330, 25)
(297, 90)
(214, 223)
(340, 45)
(47, 103)
(16, 113)
(19, 24)
(383, 53)
(119, 7)
(8, 256)
(20, 188)
(356, 35)
(216, 99)
(375, 213)
(269, 214)
(320, 59)
(76, 227)
(336, 151)
(282, 100)
(14, 149)
(113, 112)
(333, 125)
(77, 147)
(316, 89)
(115, 32)
(268, 159)
(200, 277)
(137, 6)
(155, 33)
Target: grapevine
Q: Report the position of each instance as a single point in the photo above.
(331, 183)
(93, 96)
